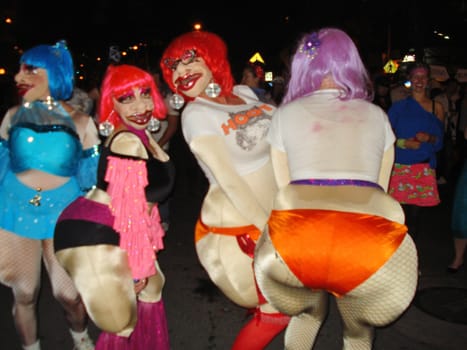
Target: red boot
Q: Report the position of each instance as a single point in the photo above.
(260, 331)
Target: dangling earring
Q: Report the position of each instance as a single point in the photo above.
(176, 101)
(106, 128)
(213, 90)
(153, 125)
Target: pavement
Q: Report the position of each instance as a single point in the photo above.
(200, 317)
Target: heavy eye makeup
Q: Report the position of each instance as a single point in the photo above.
(126, 98)
(146, 92)
(29, 69)
(130, 96)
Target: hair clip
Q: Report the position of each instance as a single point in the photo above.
(61, 44)
(310, 45)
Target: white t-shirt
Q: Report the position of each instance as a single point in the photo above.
(326, 138)
(242, 127)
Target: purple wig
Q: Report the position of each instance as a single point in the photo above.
(329, 51)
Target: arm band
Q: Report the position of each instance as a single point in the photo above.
(400, 143)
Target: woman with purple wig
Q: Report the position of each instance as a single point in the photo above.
(333, 229)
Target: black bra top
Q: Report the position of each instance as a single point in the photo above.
(161, 175)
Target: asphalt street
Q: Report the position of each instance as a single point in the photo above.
(201, 318)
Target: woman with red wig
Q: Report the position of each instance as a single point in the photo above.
(225, 127)
(107, 240)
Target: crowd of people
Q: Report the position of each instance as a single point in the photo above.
(338, 159)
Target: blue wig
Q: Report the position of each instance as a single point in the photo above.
(57, 61)
(329, 51)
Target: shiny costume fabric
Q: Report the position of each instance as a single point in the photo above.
(19, 215)
(353, 245)
(29, 147)
(44, 138)
(366, 260)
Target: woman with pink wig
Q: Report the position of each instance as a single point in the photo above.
(107, 240)
(225, 127)
(334, 229)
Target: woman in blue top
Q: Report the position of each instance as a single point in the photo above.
(49, 156)
(418, 123)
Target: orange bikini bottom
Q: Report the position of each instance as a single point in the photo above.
(333, 250)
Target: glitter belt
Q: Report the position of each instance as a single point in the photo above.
(336, 182)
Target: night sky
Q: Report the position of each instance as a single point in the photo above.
(246, 26)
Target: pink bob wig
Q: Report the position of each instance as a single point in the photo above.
(211, 48)
(121, 79)
(335, 55)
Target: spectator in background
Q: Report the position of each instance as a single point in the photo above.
(459, 219)
(280, 80)
(418, 123)
(448, 94)
(81, 101)
(399, 90)
(382, 98)
(253, 76)
(462, 122)
(278, 89)
(459, 209)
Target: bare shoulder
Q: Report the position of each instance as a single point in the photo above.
(127, 143)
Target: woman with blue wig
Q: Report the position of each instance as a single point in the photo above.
(49, 154)
(334, 229)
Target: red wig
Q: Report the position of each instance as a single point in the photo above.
(211, 48)
(122, 79)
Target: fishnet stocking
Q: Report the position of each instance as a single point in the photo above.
(381, 298)
(286, 293)
(64, 289)
(376, 302)
(20, 266)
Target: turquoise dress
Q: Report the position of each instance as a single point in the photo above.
(42, 138)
